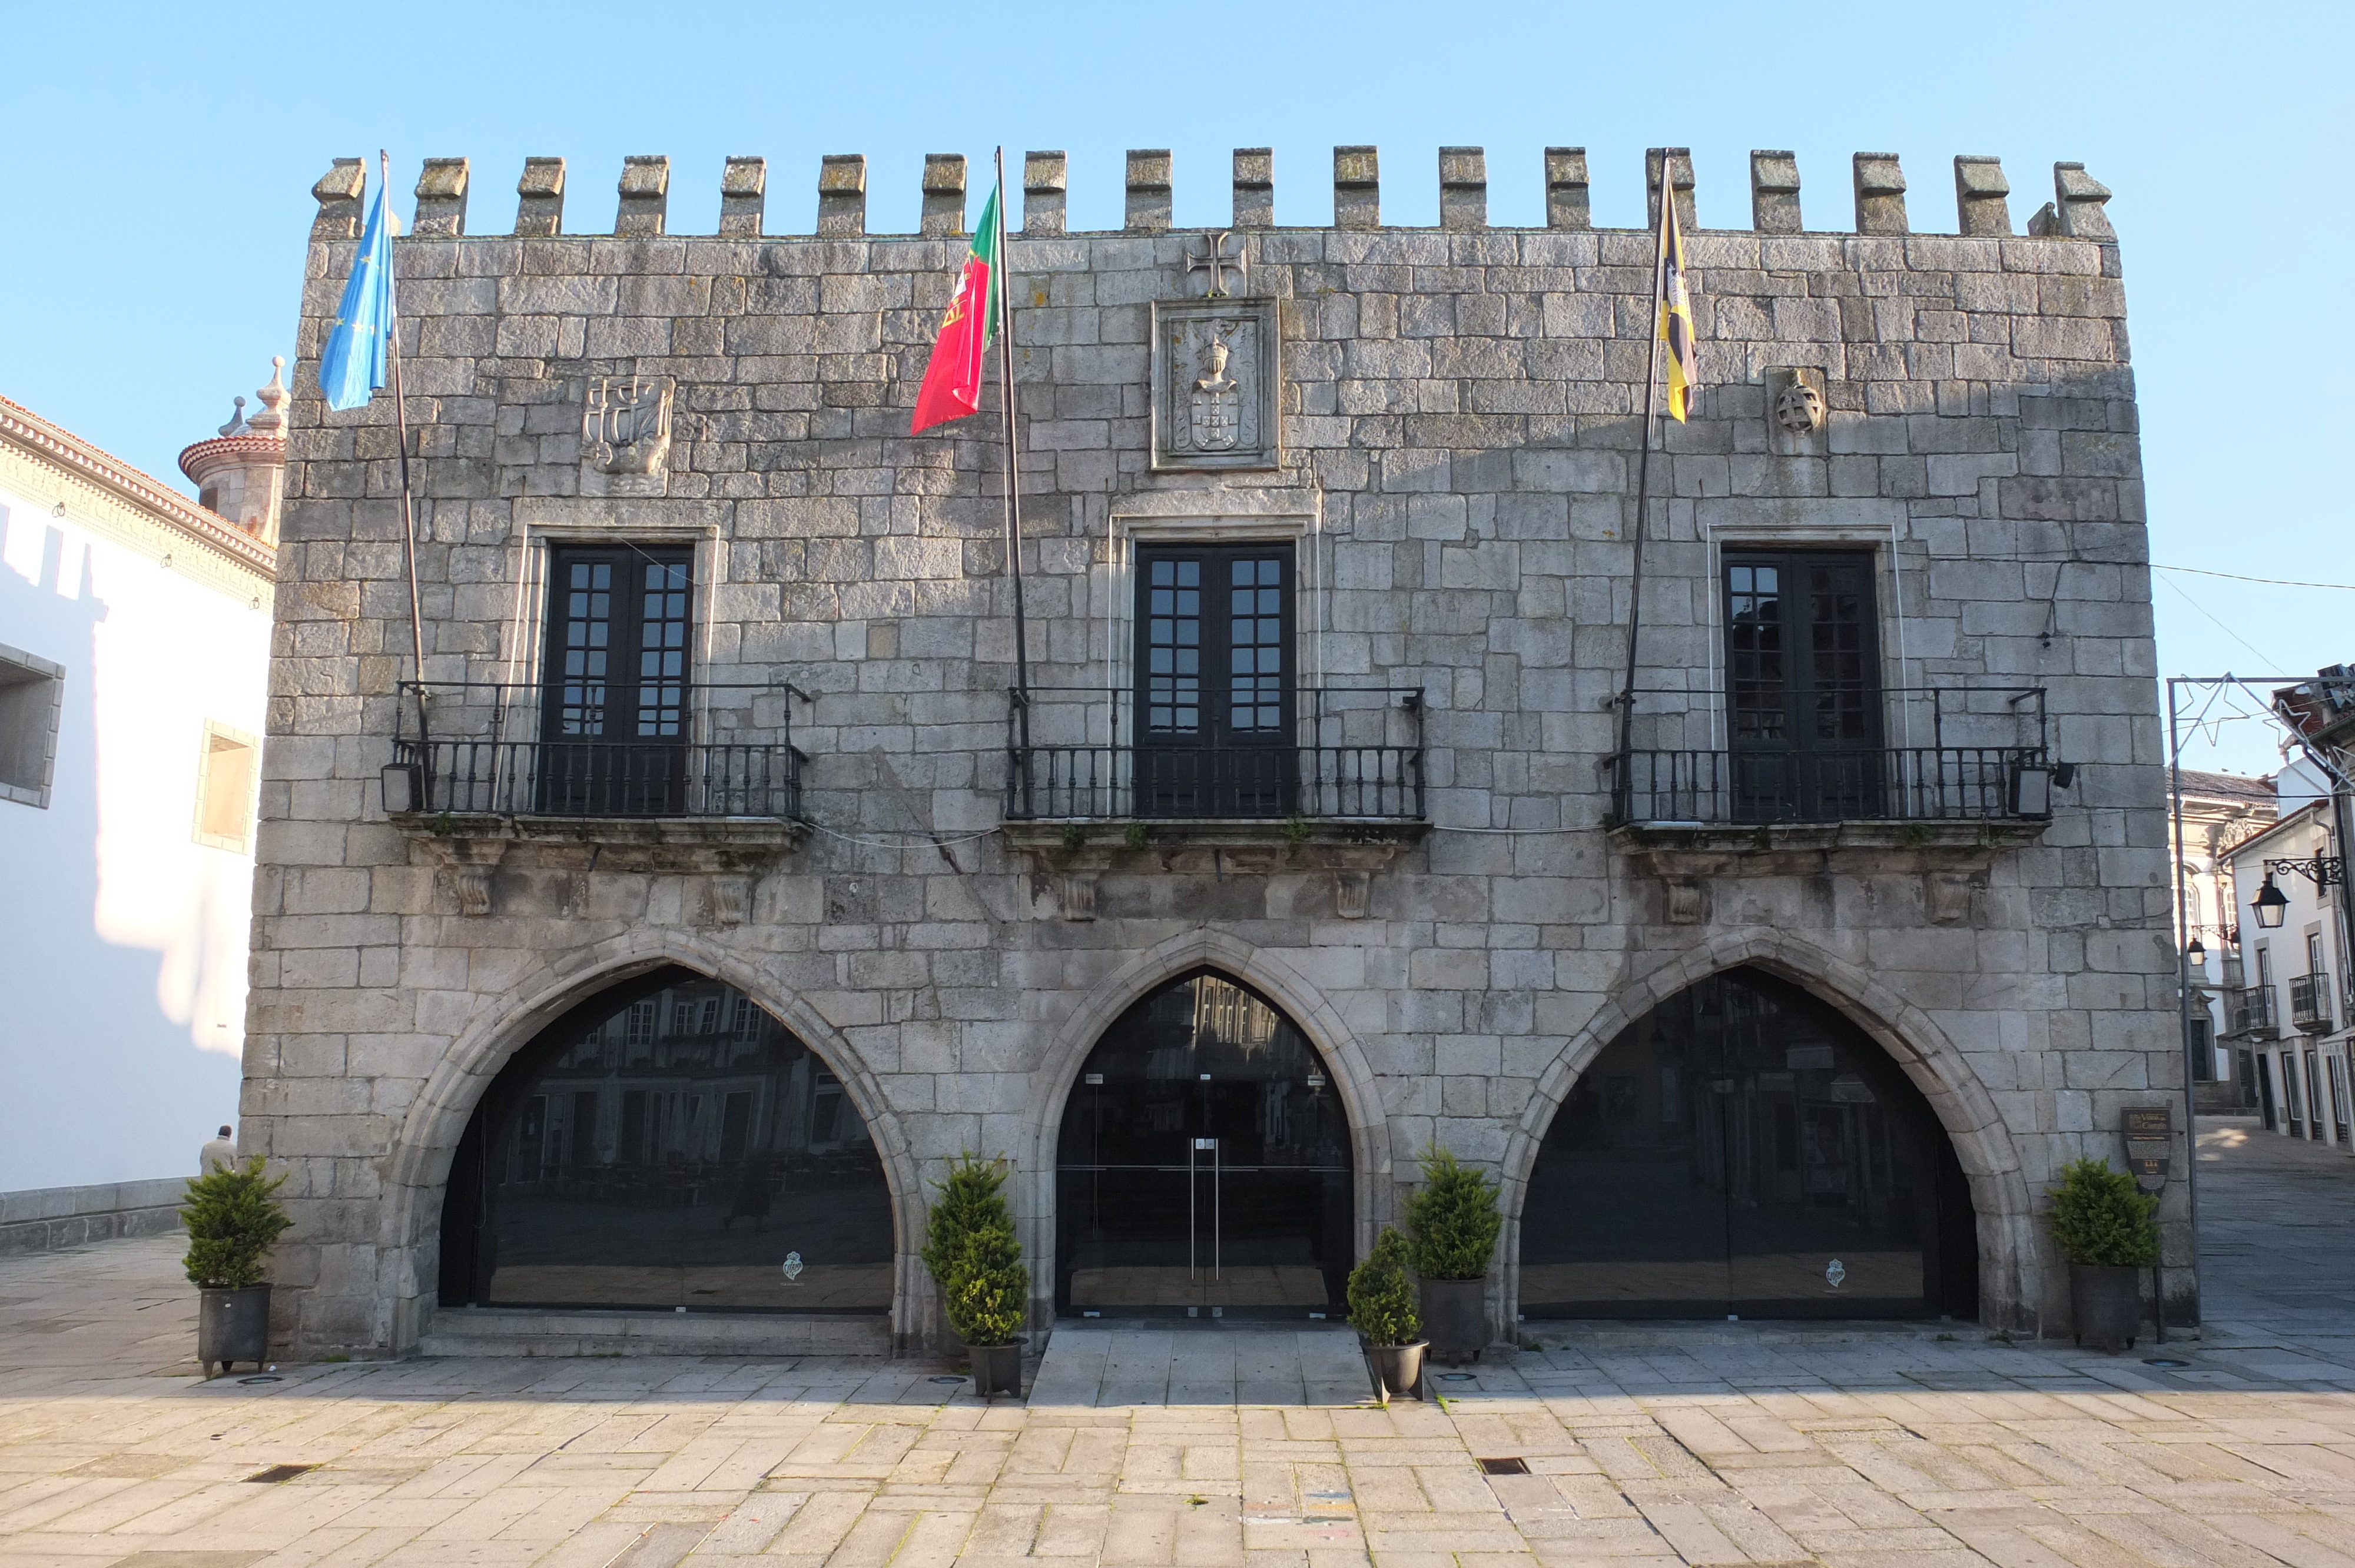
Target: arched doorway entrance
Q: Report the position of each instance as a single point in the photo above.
(667, 1144)
(1203, 1164)
(1743, 1148)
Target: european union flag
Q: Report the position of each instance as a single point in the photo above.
(352, 366)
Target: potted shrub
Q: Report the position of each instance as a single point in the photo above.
(1381, 1309)
(974, 1255)
(2101, 1223)
(232, 1216)
(1451, 1225)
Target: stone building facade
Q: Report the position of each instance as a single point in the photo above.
(1442, 851)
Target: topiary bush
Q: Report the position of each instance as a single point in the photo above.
(988, 1291)
(232, 1217)
(971, 1249)
(1381, 1301)
(2099, 1217)
(1452, 1221)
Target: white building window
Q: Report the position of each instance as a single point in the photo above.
(32, 696)
(226, 769)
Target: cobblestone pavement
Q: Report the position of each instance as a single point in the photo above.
(1703, 1444)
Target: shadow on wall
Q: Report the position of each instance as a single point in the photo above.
(102, 1085)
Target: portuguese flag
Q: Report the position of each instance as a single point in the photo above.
(952, 386)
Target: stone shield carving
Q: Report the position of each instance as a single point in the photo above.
(1214, 367)
(625, 426)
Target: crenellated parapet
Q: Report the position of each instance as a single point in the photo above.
(1982, 195)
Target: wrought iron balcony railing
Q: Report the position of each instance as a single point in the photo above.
(1985, 760)
(2309, 1003)
(1075, 753)
(2250, 1011)
(671, 749)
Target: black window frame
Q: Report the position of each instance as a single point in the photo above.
(1193, 758)
(1825, 759)
(631, 758)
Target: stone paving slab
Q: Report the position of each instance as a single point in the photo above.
(1837, 1446)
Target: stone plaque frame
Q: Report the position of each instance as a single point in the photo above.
(1181, 330)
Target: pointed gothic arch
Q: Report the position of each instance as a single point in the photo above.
(1085, 1026)
(418, 1166)
(1930, 1061)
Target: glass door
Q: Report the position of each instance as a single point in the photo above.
(614, 717)
(1803, 686)
(1203, 1165)
(1214, 688)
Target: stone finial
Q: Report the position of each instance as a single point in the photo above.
(1880, 195)
(943, 196)
(1254, 187)
(744, 194)
(271, 420)
(338, 195)
(441, 198)
(1149, 190)
(1046, 186)
(1463, 187)
(539, 196)
(1357, 187)
(1774, 193)
(1980, 196)
(646, 196)
(1677, 163)
(2078, 200)
(1566, 196)
(842, 195)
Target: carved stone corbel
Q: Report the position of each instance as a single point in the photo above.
(1077, 892)
(467, 864)
(1687, 903)
(728, 900)
(1352, 892)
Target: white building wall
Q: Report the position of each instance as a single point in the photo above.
(123, 940)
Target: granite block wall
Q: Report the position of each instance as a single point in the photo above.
(1461, 413)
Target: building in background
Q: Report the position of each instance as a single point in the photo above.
(134, 645)
(2292, 1007)
(2215, 813)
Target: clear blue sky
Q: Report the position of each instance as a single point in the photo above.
(153, 213)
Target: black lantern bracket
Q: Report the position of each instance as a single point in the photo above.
(2272, 904)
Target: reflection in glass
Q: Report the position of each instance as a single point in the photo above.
(1724, 1151)
(668, 1144)
(1204, 1163)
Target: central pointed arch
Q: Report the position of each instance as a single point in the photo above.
(1300, 1002)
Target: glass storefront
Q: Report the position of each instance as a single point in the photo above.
(1744, 1149)
(668, 1144)
(1203, 1167)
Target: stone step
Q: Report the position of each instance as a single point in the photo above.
(538, 1331)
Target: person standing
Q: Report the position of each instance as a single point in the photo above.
(218, 1151)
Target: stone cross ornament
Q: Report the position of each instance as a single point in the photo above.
(1217, 258)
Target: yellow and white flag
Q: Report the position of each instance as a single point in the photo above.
(1676, 326)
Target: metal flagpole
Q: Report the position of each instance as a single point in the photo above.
(400, 423)
(1644, 475)
(1004, 281)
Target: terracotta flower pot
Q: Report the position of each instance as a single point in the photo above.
(2105, 1304)
(997, 1369)
(1455, 1319)
(1398, 1368)
(232, 1326)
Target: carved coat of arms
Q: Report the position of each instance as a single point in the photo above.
(626, 426)
(1214, 383)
